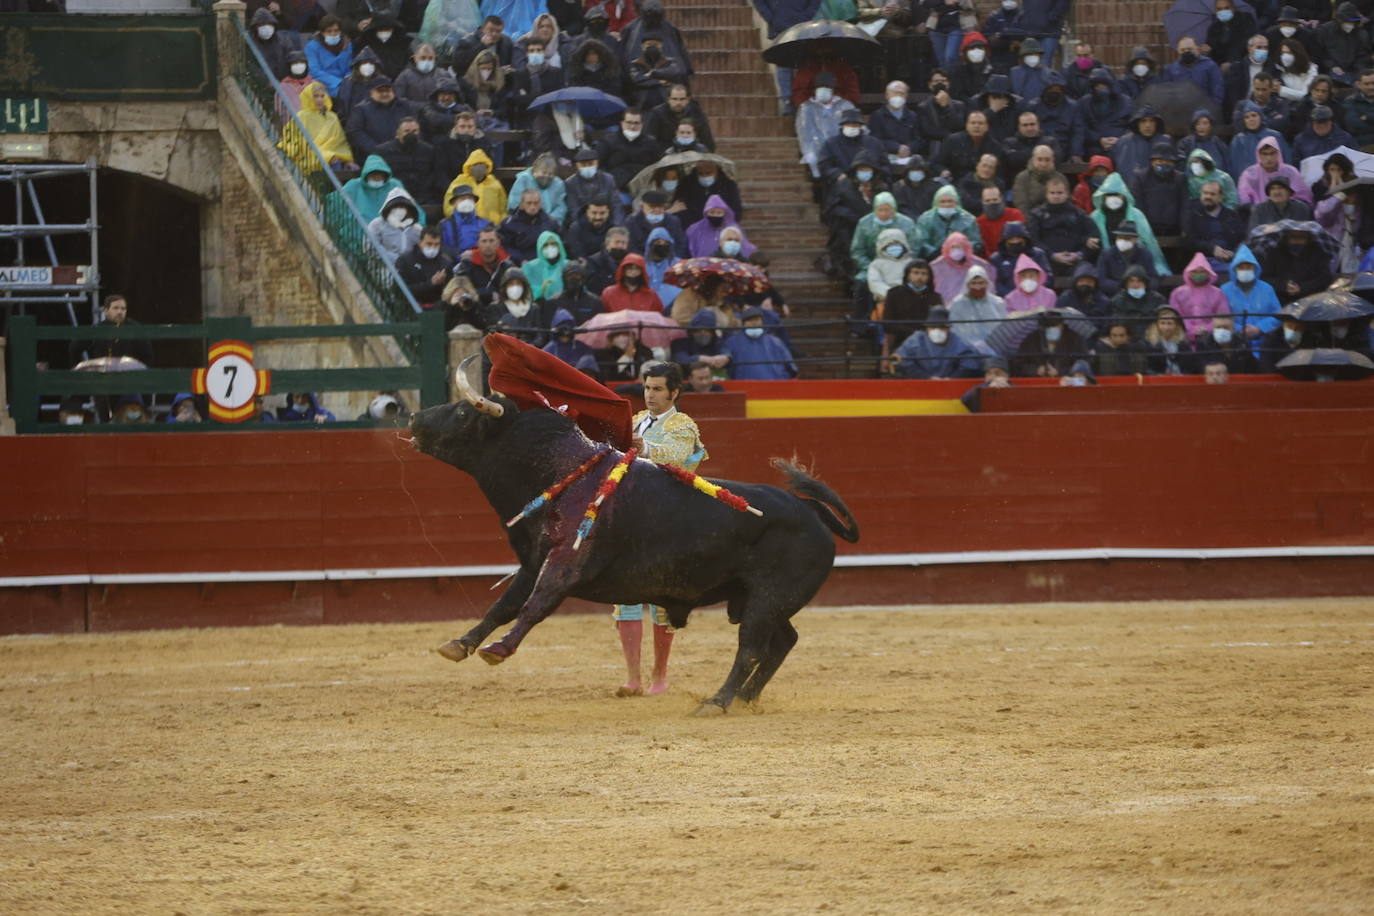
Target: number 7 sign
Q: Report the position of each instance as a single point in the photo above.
(231, 381)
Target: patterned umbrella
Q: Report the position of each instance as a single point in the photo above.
(1007, 336)
(653, 328)
(1265, 237)
(740, 278)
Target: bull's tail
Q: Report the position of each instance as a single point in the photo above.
(827, 503)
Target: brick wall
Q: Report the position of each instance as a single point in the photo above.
(1116, 26)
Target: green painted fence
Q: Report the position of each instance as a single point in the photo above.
(28, 384)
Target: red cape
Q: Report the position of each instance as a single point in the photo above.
(532, 378)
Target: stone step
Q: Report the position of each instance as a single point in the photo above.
(690, 19)
(715, 60)
(710, 38)
(741, 125)
(740, 81)
(755, 104)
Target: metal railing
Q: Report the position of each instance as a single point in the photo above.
(29, 384)
(310, 170)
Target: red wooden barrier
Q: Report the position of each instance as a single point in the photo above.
(321, 500)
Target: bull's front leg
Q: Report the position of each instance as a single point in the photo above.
(556, 578)
(502, 612)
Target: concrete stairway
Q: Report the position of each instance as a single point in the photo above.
(736, 89)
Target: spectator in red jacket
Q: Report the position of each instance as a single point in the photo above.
(630, 291)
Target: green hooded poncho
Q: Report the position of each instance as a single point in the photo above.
(1114, 184)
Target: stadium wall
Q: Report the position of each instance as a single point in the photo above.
(110, 532)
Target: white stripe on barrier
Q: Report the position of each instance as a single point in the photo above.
(852, 561)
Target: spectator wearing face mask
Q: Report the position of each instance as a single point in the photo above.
(418, 80)
(391, 43)
(1100, 117)
(1057, 112)
(515, 311)
(627, 151)
(703, 235)
(1004, 30)
(863, 245)
(520, 231)
(1080, 375)
(701, 345)
(324, 129)
(950, 23)
(976, 310)
(542, 176)
(545, 271)
(1066, 233)
(984, 177)
(330, 54)
(1203, 169)
(995, 217)
(1124, 253)
(1280, 204)
(273, 48)
(377, 120)
(576, 299)
(1253, 303)
(603, 265)
(1141, 73)
(460, 229)
(1119, 353)
(1320, 135)
(949, 271)
(1114, 204)
(586, 235)
(942, 114)
(536, 75)
(1032, 292)
(372, 188)
(1003, 259)
(935, 352)
(1279, 342)
(412, 162)
(1161, 190)
(1081, 72)
(1030, 77)
(1267, 165)
(652, 72)
(658, 258)
(839, 152)
(1136, 302)
(354, 89)
(1228, 32)
(297, 78)
(1133, 150)
(1051, 351)
(887, 268)
(623, 358)
(1221, 344)
(970, 71)
(1197, 299)
(304, 407)
(653, 206)
(477, 174)
(631, 291)
(446, 22)
(895, 125)
(915, 189)
(1203, 137)
(907, 304)
(563, 342)
(485, 267)
(438, 119)
(427, 267)
(397, 228)
(757, 355)
(945, 219)
(1085, 295)
(1343, 44)
(818, 120)
(1290, 24)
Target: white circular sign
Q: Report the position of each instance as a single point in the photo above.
(230, 381)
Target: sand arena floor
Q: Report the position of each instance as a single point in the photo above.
(1162, 757)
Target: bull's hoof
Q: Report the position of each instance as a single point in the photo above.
(708, 708)
(494, 654)
(454, 650)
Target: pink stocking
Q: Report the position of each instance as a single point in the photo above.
(663, 644)
(631, 633)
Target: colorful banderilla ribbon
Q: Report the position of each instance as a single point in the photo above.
(606, 490)
(715, 491)
(552, 492)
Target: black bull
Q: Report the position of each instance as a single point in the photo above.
(657, 540)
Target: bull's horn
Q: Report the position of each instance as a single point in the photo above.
(469, 394)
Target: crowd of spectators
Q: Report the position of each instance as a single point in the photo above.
(992, 181)
(521, 214)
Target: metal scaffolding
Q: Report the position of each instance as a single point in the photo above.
(24, 284)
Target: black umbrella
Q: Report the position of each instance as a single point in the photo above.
(848, 41)
(1176, 103)
(1331, 305)
(1265, 237)
(1324, 362)
(1362, 285)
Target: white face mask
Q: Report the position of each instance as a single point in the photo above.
(937, 335)
(1009, 5)
(518, 309)
(1197, 168)
(897, 102)
(1347, 27)
(1029, 285)
(367, 69)
(429, 251)
(849, 130)
(1075, 381)
(1221, 335)
(894, 251)
(298, 69)
(1032, 60)
(466, 205)
(1290, 335)
(1125, 245)
(484, 73)
(551, 252)
(265, 32)
(400, 219)
(669, 184)
(514, 292)
(376, 182)
(1245, 276)
(384, 36)
(631, 135)
(424, 66)
(976, 55)
(730, 247)
(1052, 333)
(824, 94)
(1141, 70)
(73, 420)
(957, 254)
(1287, 31)
(706, 180)
(333, 40)
(1286, 59)
(1115, 203)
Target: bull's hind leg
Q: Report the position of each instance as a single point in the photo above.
(784, 637)
(754, 634)
(502, 612)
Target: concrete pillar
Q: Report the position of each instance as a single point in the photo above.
(463, 341)
(229, 52)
